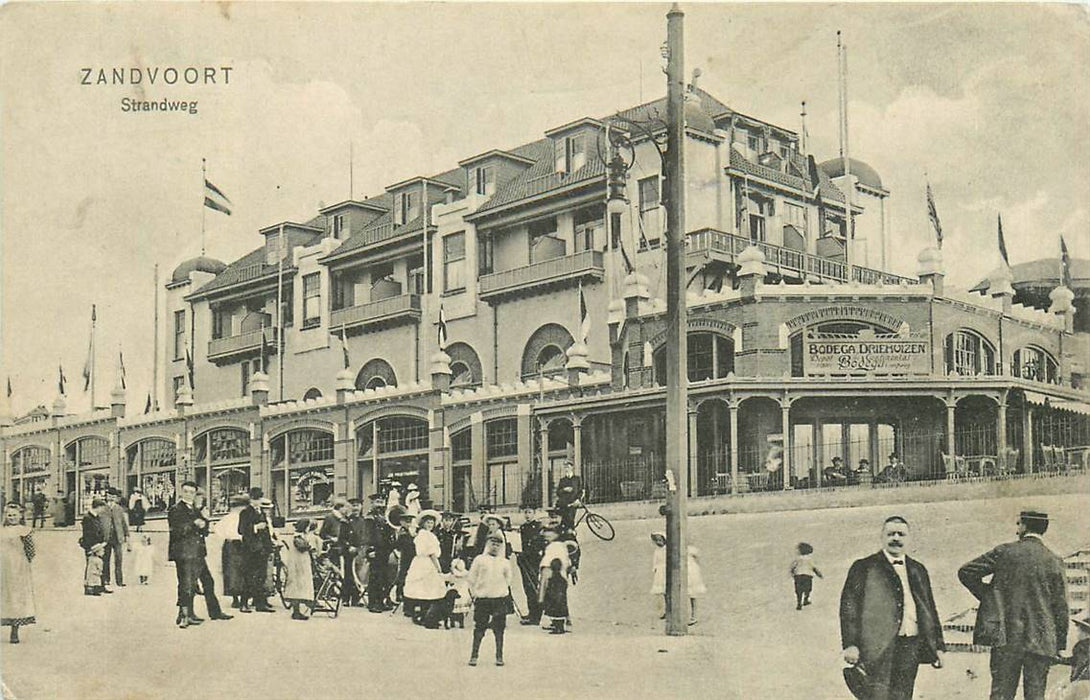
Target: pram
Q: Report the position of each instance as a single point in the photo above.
(328, 580)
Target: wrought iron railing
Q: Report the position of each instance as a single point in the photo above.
(243, 342)
(587, 261)
(375, 311)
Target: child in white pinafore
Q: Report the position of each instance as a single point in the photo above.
(459, 581)
(144, 558)
(658, 584)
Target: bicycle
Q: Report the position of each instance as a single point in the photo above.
(597, 524)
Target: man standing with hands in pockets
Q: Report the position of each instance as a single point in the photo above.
(888, 621)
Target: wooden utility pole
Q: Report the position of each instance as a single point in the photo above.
(677, 427)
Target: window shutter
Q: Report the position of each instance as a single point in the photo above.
(559, 150)
(949, 353)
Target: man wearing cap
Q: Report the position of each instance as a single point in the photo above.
(447, 535)
(377, 536)
(888, 621)
(355, 541)
(1023, 611)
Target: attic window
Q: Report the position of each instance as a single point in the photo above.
(340, 226)
(408, 208)
(571, 153)
(485, 177)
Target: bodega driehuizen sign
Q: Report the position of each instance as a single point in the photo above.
(865, 354)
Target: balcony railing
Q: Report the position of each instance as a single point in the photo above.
(378, 234)
(220, 348)
(797, 263)
(565, 269)
(402, 308)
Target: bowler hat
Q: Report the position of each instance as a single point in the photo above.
(491, 516)
(855, 677)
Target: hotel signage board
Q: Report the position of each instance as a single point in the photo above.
(866, 353)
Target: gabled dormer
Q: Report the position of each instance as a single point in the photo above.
(574, 143)
(409, 197)
(291, 230)
(487, 172)
(350, 216)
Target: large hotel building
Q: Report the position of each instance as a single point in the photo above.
(798, 353)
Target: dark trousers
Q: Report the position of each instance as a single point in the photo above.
(1008, 664)
(377, 587)
(489, 614)
(39, 517)
(113, 550)
(188, 571)
(803, 585)
(893, 675)
(530, 572)
(256, 567)
(349, 593)
(208, 587)
(567, 514)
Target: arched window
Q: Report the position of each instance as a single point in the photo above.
(150, 466)
(29, 472)
(967, 353)
(302, 465)
(312, 393)
(88, 460)
(1035, 363)
(545, 351)
(375, 374)
(221, 458)
(465, 366)
(393, 448)
(710, 356)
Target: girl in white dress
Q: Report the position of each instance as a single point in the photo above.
(696, 586)
(425, 582)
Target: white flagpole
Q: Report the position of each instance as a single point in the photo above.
(842, 60)
(280, 316)
(155, 345)
(93, 320)
(204, 178)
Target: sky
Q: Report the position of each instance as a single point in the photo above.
(991, 102)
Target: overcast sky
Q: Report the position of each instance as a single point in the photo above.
(991, 101)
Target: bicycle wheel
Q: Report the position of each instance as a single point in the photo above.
(601, 527)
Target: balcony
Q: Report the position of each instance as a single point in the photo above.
(403, 308)
(787, 262)
(241, 344)
(532, 279)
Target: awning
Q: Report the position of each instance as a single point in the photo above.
(1074, 406)
(1037, 399)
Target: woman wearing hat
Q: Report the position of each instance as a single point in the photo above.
(425, 583)
(16, 584)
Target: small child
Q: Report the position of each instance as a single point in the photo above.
(490, 584)
(695, 586)
(460, 584)
(144, 556)
(553, 591)
(804, 571)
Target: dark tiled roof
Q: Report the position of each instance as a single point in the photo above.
(252, 266)
(828, 190)
(542, 177)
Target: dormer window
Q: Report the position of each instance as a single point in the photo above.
(407, 209)
(485, 177)
(571, 153)
(340, 226)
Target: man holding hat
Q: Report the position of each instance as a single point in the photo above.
(1023, 611)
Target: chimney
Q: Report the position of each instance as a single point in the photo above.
(751, 271)
(577, 362)
(931, 269)
(117, 401)
(999, 286)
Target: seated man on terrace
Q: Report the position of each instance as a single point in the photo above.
(835, 475)
(893, 473)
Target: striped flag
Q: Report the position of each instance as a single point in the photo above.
(933, 215)
(584, 317)
(1002, 243)
(215, 199)
(1065, 276)
(87, 364)
(61, 381)
(442, 332)
(189, 367)
(344, 349)
(121, 368)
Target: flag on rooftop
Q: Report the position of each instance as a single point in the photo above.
(216, 199)
(933, 215)
(442, 332)
(1002, 242)
(1065, 270)
(61, 381)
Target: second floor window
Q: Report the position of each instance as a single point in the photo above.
(968, 354)
(544, 243)
(340, 226)
(649, 193)
(312, 300)
(221, 324)
(753, 141)
(485, 254)
(454, 262)
(408, 208)
(486, 180)
(795, 215)
(179, 335)
(589, 229)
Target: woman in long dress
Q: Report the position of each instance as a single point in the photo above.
(425, 582)
(298, 568)
(16, 581)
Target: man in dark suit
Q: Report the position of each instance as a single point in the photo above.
(188, 528)
(106, 525)
(1023, 611)
(257, 545)
(353, 531)
(569, 492)
(377, 543)
(116, 526)
(94, 544)
(888, 622)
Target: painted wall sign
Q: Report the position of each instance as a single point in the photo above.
(866, 353)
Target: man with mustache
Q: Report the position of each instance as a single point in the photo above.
(888, 622)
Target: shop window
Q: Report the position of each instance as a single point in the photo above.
(709, 355)
(968, 354)
(461, 446)
(309, 470)
(402, 434)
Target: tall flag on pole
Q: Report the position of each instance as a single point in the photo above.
(263, 367)
(189, 367)
(215, 199)
(61, 381)
(1002, 243)
(344, 349)
(147, 405)
(1065, 276)
(121, 368)
(584, 317)
(9, 387)
(442, 331)
(933, 215)
(88, 364)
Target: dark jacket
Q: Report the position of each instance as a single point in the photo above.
(1025, 605)
(92, 531)
(872, 608)
(186, 537)
(357, 531)
(568, 490)
(254, 539)
(336, 530)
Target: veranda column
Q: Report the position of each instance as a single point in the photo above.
(951, 404)
(1001, 434)
(1028, 451)
(692, 447)
(577, 443)
(785, 407)
(543, 431)
(733, 405)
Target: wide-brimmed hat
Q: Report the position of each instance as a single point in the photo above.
(572, 546)
(855, 677)
(429, 513)
(412, 487)
(492, 516)
(658, 535)
(265, 503)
